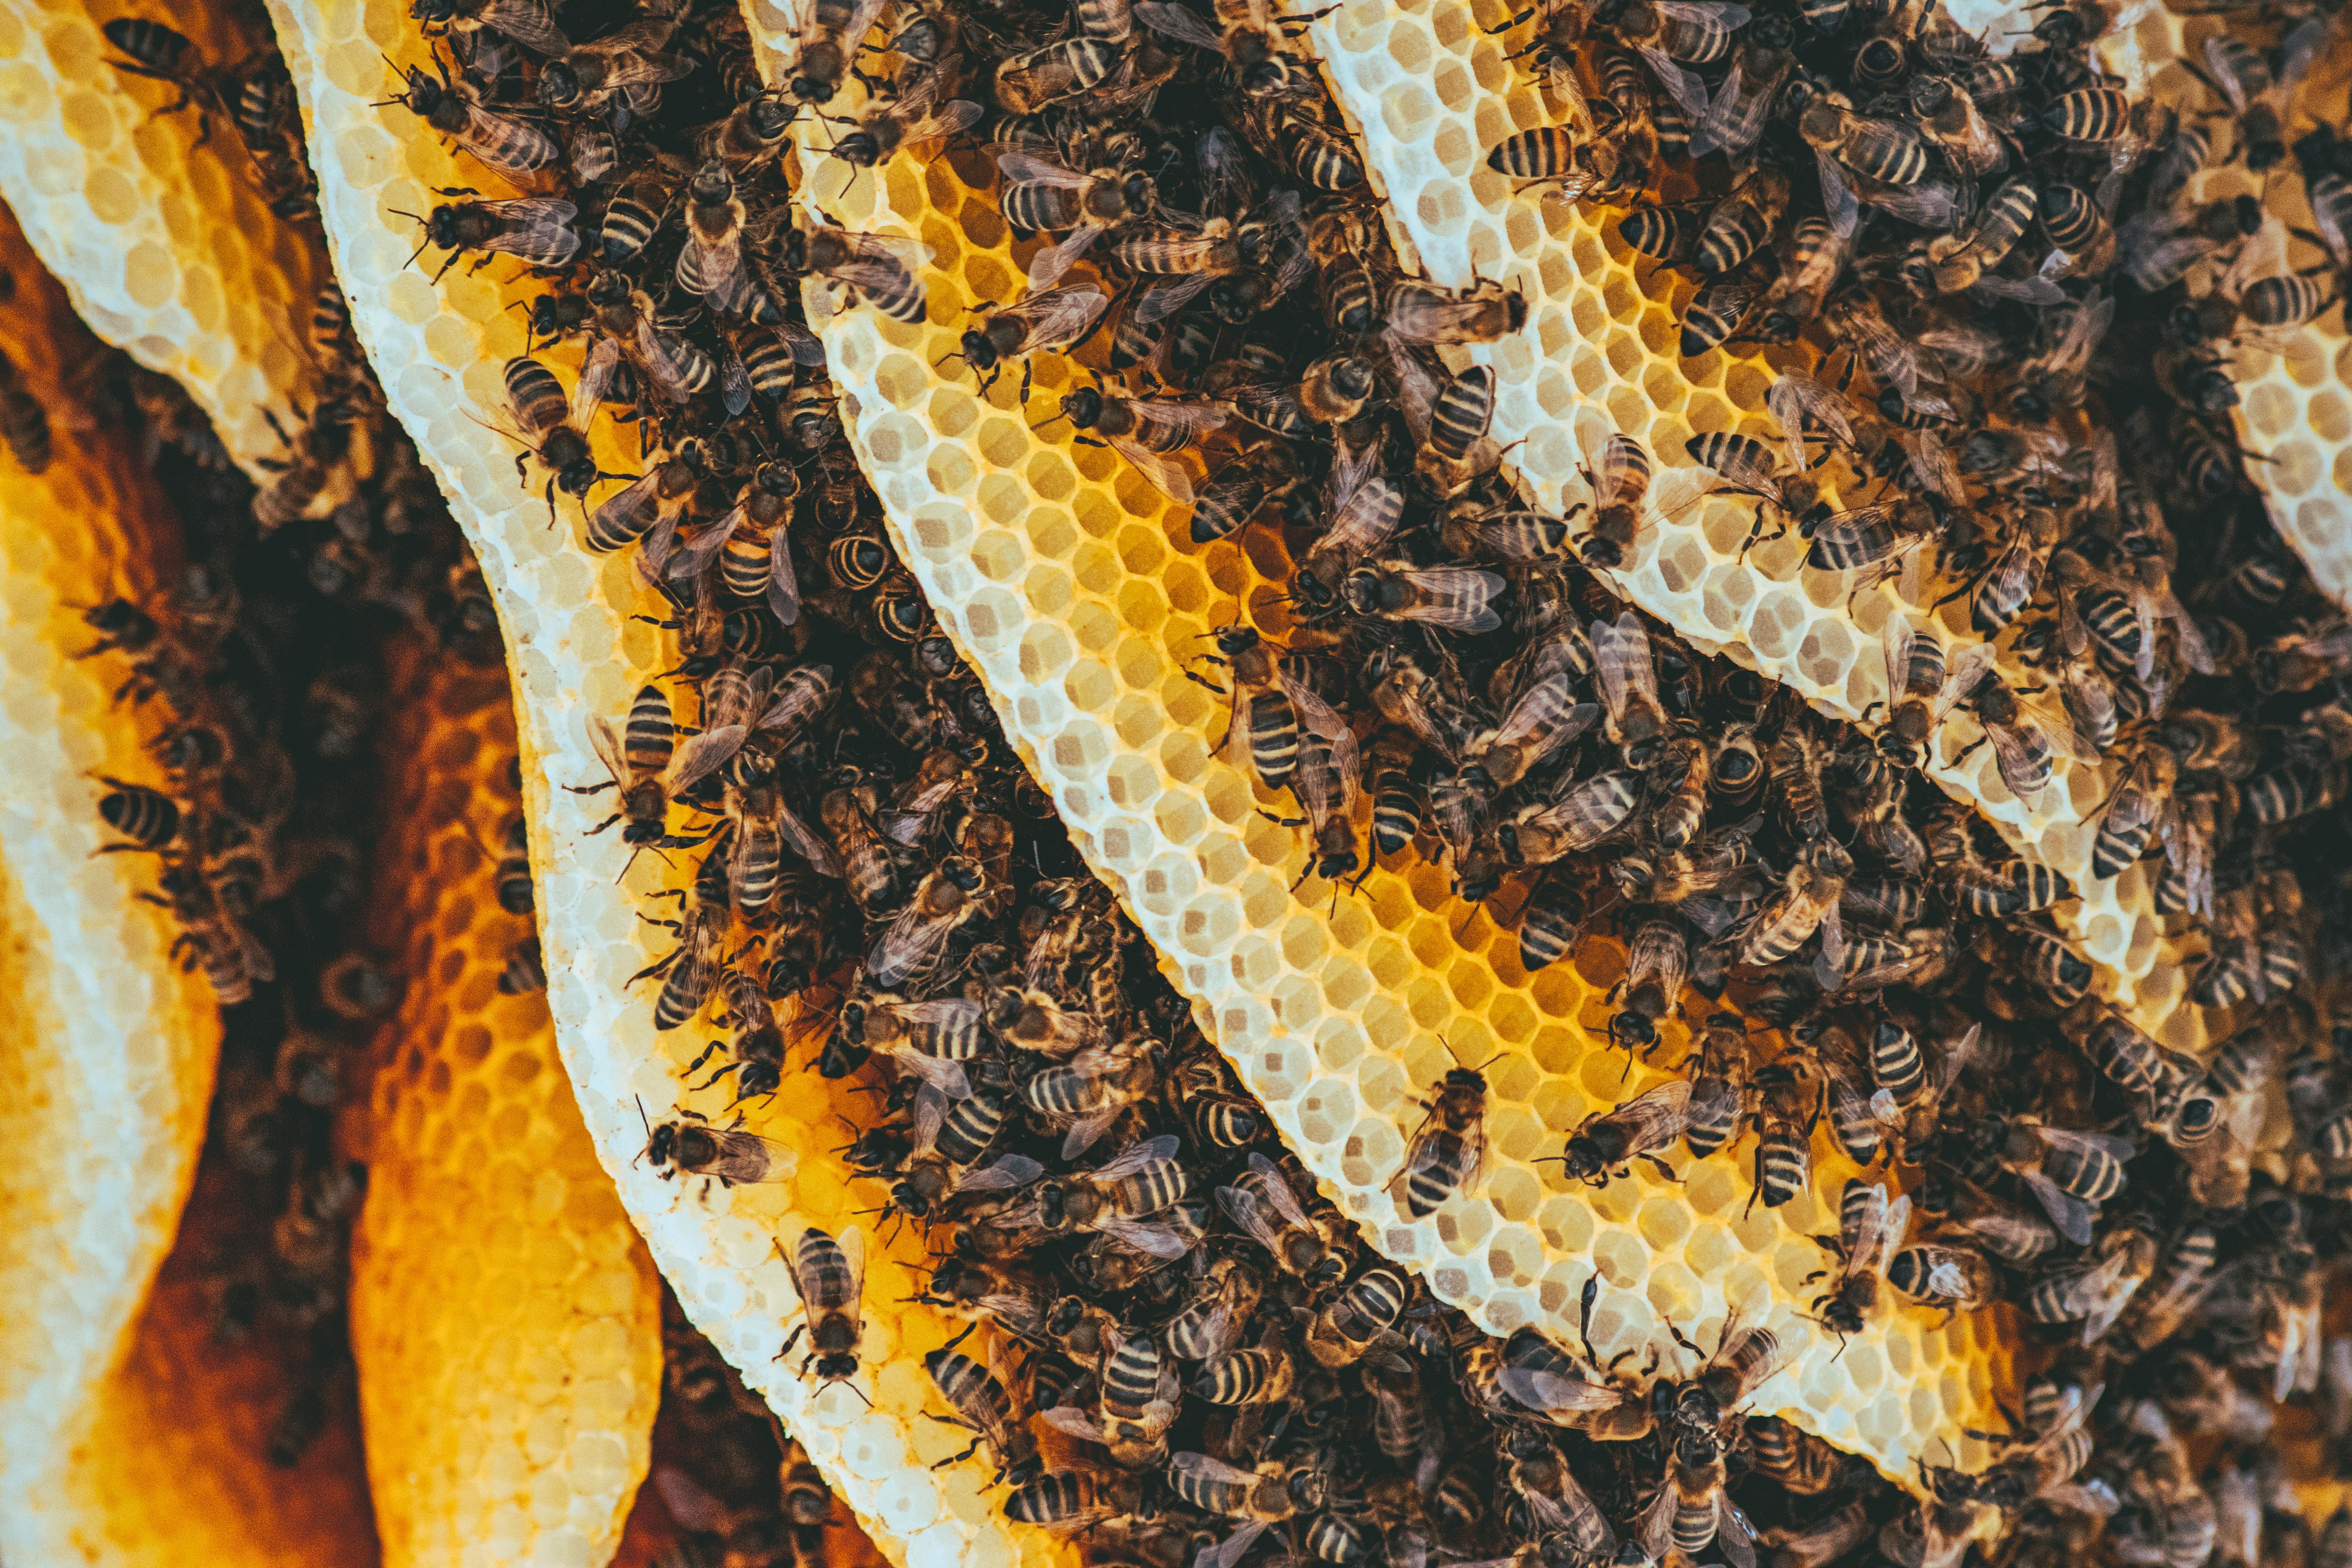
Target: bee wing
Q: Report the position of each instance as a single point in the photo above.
(526, 22)
(1559, 76)
(1734, 1533)
(734, 382)
(607, 741)
(1795, 398)
(853, 1254)
(1838, 201)
(685, 565)
(808, 843)
(537, 228)
(661, 361)
(2326, 202)
(2262, 254)
(1168, 478)
(1060, 317)
(1076, 1422)
(1655, 1527)
(1007, 1172)
(1543, 1390)
(1242, 1207)
(1878, 1245)
(1658, 1115)
(783, 593)
(1160, 1240)
(1962, 675)
(807, 351)
(1620, 655)
(1462, 597)
(1684, 87)
(947, 1076)
(2222, 61)
(595, 380)
(953, 117)
(1175, 22)
(1138, 1155)
(907, 945)
(1279, 1192)
(1022, 166)
(1711, 128)
(2050, 720)
(1159, 416)
(1932, 465)
(1202, 1468)
(502, 141)
(746, 1157)
(2071, 1214)
(1897, 639)
(701, 754)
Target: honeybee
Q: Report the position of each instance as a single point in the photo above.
(948, 898)
(526, 22)
(1115, 1200)
(1605, 1144)
(1262, 1203)
(1143, 430)
(728, 1156)
(1870, 1227)
(1693, 1509)
(1808, 903)
(645, 770)
(536, 228)
(1249, 35)
(506, 142)
(1628, 675)
(1066, 1501)
(885, 270)
(1140, 1394)
(1366, 508)
(1449, 1149)
(1052, 321)
(1956, 1279)
(1921, 688)
(1543, 716)
(1619, 481)
(830, 1277)
(1415, 312)
(2071, 1173)
(2023, 738)
(1452, 598)
(984, 1408)
(1260, 1499)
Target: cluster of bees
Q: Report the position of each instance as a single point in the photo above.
(266, 656)
(1096, 1189)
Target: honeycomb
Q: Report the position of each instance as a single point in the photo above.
(1429, 92)
(171, 1466)
(1074, 591)
(108, 1049)
(504, 1317)
(575, 652)
(167, 247)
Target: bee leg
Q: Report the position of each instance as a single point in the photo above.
(790, 1340)
(696, 1065)
(1964, 755)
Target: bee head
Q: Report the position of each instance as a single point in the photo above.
(559, 85)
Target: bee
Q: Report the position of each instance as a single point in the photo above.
(1033, 1021)
(1451, 598)
(1262, 1203)
(1258, 1377)
(1808, 903)
(1620, 482)
(159, 54)
(536, 228)
(1795, 1459)
(728, 1156)
(1628, 676)
(1657, 960)
(830, 1278)
(1958, 260)
(1052, 322)
(1143, 430)
(506, 142)
(627, 64)
(1091, 1091)
(631, 220)
(1249, 36)
(1693, 1509)
(2094, 1289)
(2071, 1173)
(1870, 1227)
(1238, 489)
(1139, 1396)
(1543, 716)
(2023, 739)
(1116, 1201)
(1922, 688)
(710, 264)
(1565, 167)
(1359, 1317)
(1953, 1277)
(550, 429)
(1042, 193)
(1786, 1115)
(908, 119)
(1542, 833)
(2089, 114)
(1260, 1499)
(650, 509)
(1948, 118)
(1416, 312)
(985, 1409)
(1742, 222)
(1605, 1144)
(1716, 312)
(947, 898)
(1066, 1501)
(646, 772)
(1027, 82)
(526, 22)
(885, 270)
(846, 814)
(1449, 1149)
(752, 133)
